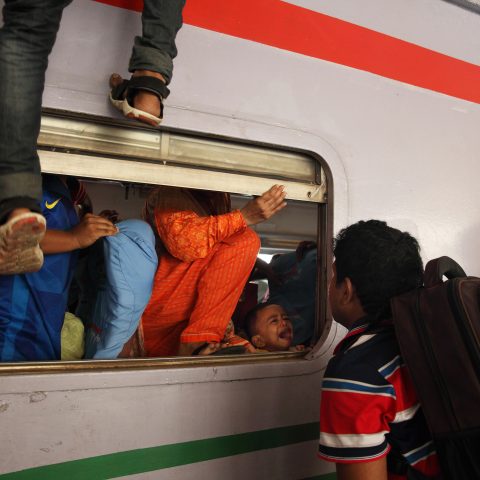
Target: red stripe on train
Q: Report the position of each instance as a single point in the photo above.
(296, 29)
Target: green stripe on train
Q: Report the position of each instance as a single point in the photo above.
(166, 456)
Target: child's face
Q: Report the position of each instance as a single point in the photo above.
(273, 329)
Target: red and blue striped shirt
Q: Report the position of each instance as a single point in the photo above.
(369, 407)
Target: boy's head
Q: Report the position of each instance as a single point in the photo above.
(373, 263)
(269, 328)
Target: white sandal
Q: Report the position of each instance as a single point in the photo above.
(121, 96)
(19, 244)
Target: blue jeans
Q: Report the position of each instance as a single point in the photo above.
(26, 40)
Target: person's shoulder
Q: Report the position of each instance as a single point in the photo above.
(374, 347)
(363, 360)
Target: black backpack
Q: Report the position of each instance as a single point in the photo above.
(438, 329)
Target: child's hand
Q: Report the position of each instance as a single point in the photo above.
(298, 348)
(91, 228)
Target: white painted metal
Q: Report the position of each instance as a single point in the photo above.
(396, 152)
(176, 148)
(92, 166)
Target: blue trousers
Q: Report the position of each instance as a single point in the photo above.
(26, 40)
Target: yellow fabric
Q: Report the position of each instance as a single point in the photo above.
(72, 338)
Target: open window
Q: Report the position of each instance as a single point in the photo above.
(120, 163)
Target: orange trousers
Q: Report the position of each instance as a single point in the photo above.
(194, 301)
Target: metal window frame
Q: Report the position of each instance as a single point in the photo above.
(90, 148)
(61, 158)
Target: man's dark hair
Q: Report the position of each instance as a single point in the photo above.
(251, 318)
(381, 262)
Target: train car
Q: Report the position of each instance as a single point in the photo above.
(361, 109)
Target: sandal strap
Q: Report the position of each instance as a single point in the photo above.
(200, 348)
(118, 92)
(150, 84)
(233, 350)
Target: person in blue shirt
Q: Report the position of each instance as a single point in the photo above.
(295, 289)
(33, 305)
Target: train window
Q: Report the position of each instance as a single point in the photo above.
(120, 165)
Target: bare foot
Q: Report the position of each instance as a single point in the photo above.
(210, 348)
(186, 349)
(147, 101)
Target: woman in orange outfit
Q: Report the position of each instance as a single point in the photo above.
(206, 254)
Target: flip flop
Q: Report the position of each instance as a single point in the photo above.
(122, 96)
(19, 244)
(232, 350)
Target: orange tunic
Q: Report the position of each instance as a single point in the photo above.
(199, 279)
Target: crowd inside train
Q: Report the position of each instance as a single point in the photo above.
(174, 282)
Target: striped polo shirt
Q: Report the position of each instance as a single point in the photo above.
(369, 407)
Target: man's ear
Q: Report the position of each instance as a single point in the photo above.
(349, 292)
(257, 341)
(351, 300)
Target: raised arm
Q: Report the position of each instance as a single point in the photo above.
(189, 236)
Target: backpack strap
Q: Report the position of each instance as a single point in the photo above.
(437, 268)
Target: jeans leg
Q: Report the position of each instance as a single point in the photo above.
(155, 49)
(26, 39)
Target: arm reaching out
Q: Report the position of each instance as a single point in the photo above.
(89, 230)
(189, 236)
(262, 208)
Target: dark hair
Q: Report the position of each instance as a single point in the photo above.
(251, 317)
(380, 261)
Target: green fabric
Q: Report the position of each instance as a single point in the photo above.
(73, 338)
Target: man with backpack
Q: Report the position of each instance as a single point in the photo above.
(371, 424)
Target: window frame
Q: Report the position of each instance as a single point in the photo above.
(324, 251)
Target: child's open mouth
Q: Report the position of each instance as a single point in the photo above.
(285, 334)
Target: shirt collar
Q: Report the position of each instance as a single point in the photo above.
(54, 185)
(359, 328)
(356, 330)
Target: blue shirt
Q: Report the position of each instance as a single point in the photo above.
(33, 305)
(296, 293)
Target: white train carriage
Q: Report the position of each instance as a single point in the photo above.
(362, 109)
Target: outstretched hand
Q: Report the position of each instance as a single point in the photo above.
(262, 208)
